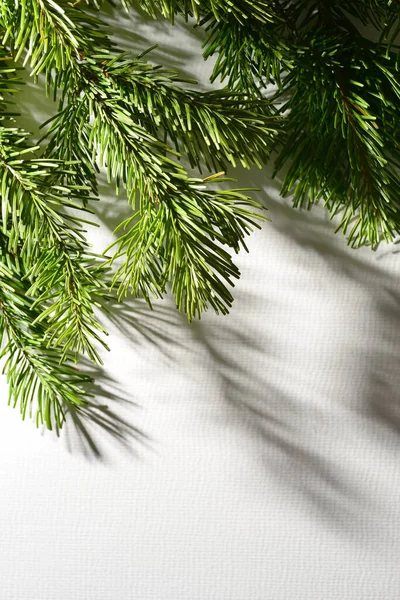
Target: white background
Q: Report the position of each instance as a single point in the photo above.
(252, 457)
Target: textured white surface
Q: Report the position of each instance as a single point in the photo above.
(259, 453)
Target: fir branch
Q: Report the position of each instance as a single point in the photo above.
(381, 14)
(32, 206)
(69, 286)
(38, 383)
(263, 11)
(333, 119)
(118, 96)
(49, 35)
(180, 240)
(67, 139)
(248, 58)
(53, 248)
(209, 128)
(35, 198)
(340, 139)
(138, 160)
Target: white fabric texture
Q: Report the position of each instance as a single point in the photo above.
(254, 456)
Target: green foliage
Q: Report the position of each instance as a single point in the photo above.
(38, 383)
(301, 79)
(137, 121)
(173, 240)
(262, 11)
(349, 152)
(339, 92)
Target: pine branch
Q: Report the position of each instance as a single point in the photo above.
(74, 149)
(52, 245)
(212, 127)
(119, 95)
(121, 99)
(48, 241)
(139, 161)
(47, 293)
(180, 239)
(38, 383)
(381, 14)
(71, 286)
(333, 120)
(113, 110)
(248, 58)
(341, 142)
(263, 11)
(49, 35)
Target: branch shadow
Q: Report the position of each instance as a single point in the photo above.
(273, 420)
(252, 402)
(382, 398)
(177, 45)
(312, 230)
(113, 208)
(156, 327)
(105, 419)
(33, 107)
(245, 353)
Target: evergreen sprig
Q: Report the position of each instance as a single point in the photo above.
(41, 386)
(302, 79)
(339, 93)
(349, 153)
(262, 11)
(136, 120)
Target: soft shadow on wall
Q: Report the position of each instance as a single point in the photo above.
(136, 32)
(112, 417)
(244, 349)
(255, 350)
(255, 340)
(310, 354)
(107, 418)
